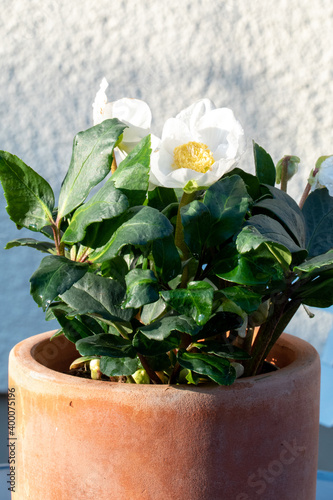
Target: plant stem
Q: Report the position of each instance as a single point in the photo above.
(307, 189)
(284, 173)
(153, 376)
(113, 164)
(179, 235)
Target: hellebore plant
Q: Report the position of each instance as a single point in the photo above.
(181, 268)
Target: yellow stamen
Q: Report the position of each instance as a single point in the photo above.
(193, 155)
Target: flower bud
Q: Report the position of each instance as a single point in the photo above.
(239, 368)
(141, 377)
(95, 371)
(292, 167)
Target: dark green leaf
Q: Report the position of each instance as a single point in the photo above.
(161, 329)
(194, 301)
(151, 347)
(219, 324)
(161, 197)
(265, 169)
(105, 344)
(54, 276)
(72, 328)
(272, 231)
(227, 202)
(90, 163)
(159, 363)
(247, 300)
(115, 268)
(228, 351)
(317, 264)
(107, 203)
(218, 369)
(42, 246)
(117, 367)
(318, 214)
(166, 258)
(252, 268)
(318, 292)
(287, 211)
(251, 182)
(132, 175)
(30, 198)
(196, 221)
(138, 226)
(142, 288)
(150, 312)
(100, 296)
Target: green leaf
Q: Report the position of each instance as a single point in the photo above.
(247, 300)
(138, 226)
(218, 369)
(265, 169)
(317, 264)
(30, 198)
(286, 210)
(42, 246)
(54, 276)
(142, 288)
(107, 203)
(228, 351)
(251, 239)
(90, 163)
(117, 367)
(251, 269)
(151, 347)
(97, 295)
(227, 202)
(161, 329)
(318, 292)
(262, 227)
(251, 182)
(132, 175)
(166, 258)
(72, 328)
(105, 344)
(318, 214)
(152, 311)
(161, 197)
(196, 221)
(219, 324)
(115, 268)
(195, 301)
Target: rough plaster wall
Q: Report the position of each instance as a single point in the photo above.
(270, 61)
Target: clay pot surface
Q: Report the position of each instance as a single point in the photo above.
(79, 439)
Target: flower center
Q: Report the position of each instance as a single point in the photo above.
(193, 155)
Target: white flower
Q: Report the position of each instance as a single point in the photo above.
(134, 113)
(324, 177)
(200, 144)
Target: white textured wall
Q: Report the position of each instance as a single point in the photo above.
(270, 61)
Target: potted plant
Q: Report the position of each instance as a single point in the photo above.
(172, 285)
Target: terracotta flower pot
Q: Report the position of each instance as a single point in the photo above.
(79, 439)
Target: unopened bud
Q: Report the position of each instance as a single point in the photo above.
(290, 163)
(95, 371)
(141, 377)
(239, 368)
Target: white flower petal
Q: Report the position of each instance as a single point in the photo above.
(201, 122)
(132, 112)
(100, 103)
(324, 177)
(175, 133)
(193, 114)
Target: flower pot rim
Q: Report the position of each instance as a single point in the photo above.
(299, 352)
